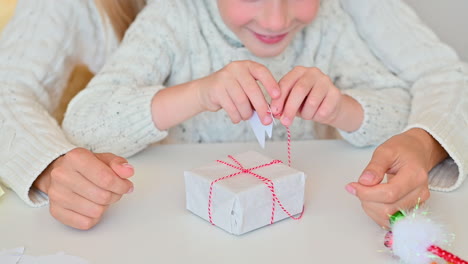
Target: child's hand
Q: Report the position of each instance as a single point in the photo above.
(235, 89)
(406, 159)
(82, 185)
(311, 94)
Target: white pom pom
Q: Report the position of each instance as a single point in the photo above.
(413, 235)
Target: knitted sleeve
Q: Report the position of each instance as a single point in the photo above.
(356, 71)
(38, 50)
(113, 114)
(438, 79)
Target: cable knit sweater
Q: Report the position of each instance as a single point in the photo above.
(38, 50)
(380, 54)
(439, 80)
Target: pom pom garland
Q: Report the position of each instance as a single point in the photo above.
(416, 239)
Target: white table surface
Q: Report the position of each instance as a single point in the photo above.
(152, 225)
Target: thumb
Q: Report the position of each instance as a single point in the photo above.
(118, 164)
(375, 171)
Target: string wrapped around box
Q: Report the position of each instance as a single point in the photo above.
(246, 191)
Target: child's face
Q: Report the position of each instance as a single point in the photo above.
(266, 27)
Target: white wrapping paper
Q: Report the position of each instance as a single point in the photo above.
(243, 203)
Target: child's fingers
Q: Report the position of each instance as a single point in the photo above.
(262, 74)
(327, 111)
(228, 105)
(296, 99)
(313, 100)
(238, 96)
(256, 99)
(286, 84)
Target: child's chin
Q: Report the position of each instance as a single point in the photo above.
(264, 51)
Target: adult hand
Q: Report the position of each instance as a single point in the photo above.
(82, 185)
(406, 159)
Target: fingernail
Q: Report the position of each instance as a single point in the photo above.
(274, 110)
(127, 165)
(285, 121)
(267, 120)
(367, 178)
(350, 189)
(131, 190)
(275, 93)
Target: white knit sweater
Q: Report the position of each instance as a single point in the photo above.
(38, 50)
(376, 51)
(173, 42)
(439, 80)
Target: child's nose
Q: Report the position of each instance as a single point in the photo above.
(275, 17)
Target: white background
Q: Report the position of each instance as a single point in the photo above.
(449, 19)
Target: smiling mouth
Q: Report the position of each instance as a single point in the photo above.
(270, 39)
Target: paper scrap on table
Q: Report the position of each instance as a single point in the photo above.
(16, 256)
(1, 192)
(260, 129)
(11, 256)
(59, 258)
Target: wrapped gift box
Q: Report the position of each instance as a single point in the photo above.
(244, 202)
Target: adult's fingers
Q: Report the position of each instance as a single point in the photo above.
(378, 212)
(69, 180)
(118, 164)
(381, 212)
(63, 197)
(99, 173)
(71, 218)
(382, 161)
(405, 181)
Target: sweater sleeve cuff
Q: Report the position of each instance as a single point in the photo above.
(144, 132)
(382, 119)
(21, 172)
(450, 173)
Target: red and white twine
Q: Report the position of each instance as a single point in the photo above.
(269, 183)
